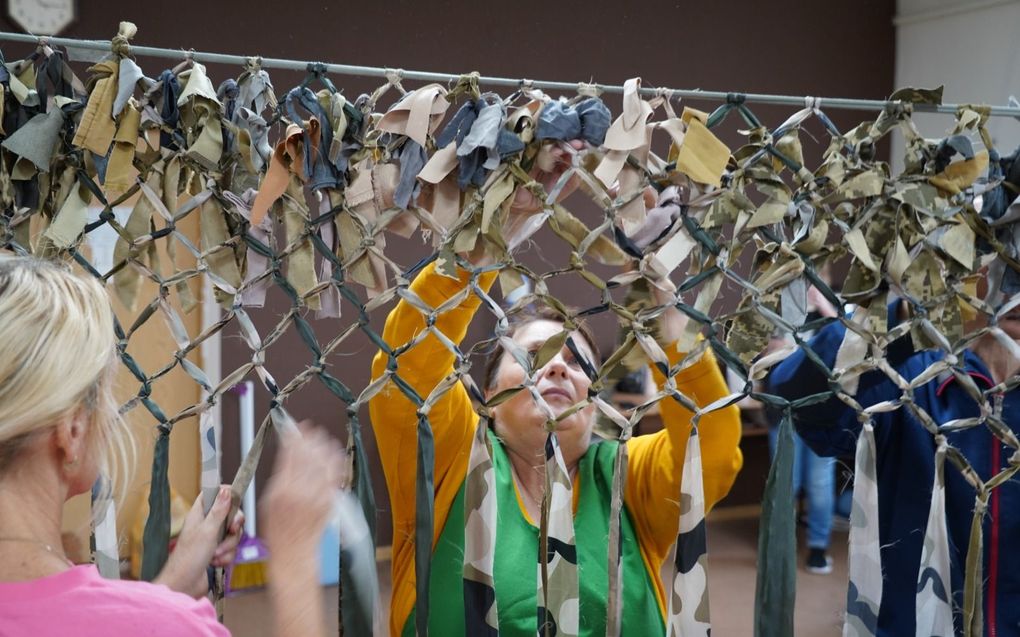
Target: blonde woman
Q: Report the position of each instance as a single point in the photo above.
(59, 428)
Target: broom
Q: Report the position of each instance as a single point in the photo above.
(248, 570)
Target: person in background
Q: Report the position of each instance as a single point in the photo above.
(813, 474)
(816, 475)
(60, 428)
(906, 466)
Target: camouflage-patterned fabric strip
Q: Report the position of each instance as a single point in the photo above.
(558, 596)
(481, 616)
(864, 593)
(209, 484)
(934, 587)
(106, 553)
(688, 614)
(614, 591)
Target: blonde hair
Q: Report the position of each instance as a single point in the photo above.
(57, 357)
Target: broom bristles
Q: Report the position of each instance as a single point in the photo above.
(248, 575)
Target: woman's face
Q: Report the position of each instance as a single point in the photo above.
(519, 421)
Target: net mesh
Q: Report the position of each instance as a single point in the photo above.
(300, 192)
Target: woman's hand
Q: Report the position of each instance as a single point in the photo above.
(821, 304)
(200, 545)
(297, 504)
(300, 495)
(673, 322)
(554, 159)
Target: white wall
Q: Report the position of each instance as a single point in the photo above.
(970, 46)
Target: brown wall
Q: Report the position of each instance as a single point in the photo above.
(153, 347)
(839, 49)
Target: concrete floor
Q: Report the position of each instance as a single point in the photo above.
(732, 558)
(732, 537)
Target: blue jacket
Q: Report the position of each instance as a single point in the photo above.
(906, 470)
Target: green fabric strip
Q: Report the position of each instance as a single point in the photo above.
(156, 536)
(424, 514)
(776, 587)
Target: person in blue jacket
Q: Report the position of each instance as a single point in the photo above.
(906, 464)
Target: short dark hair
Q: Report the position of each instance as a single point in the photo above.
(519, 321)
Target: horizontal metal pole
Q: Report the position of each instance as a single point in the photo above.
(839, 103)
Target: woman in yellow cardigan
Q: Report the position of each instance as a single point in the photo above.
(651, 510)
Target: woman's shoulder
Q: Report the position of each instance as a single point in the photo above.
(156, 600)
(128, 607)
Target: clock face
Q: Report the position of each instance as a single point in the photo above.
(41, 17)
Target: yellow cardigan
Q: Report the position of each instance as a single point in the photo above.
(655, 460)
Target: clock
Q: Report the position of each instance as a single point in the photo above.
(42, 17)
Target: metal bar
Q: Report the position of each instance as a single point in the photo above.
(840, 103)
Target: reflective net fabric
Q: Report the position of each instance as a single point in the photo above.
(298, 190)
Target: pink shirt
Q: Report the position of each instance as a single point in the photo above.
(79, 602)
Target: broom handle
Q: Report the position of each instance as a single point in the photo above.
(247, 417)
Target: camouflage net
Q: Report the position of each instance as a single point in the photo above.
(300, 191)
